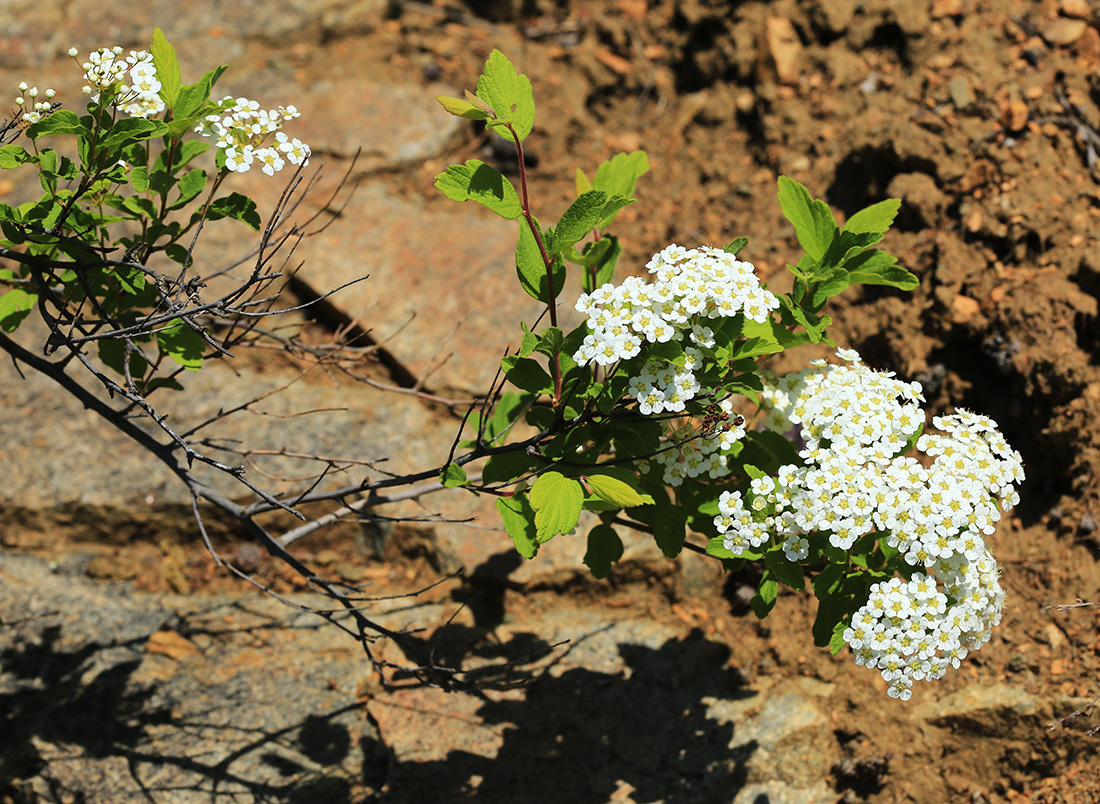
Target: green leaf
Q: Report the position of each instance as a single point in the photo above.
(193, 96)
(508, 93)
(670, 529)
(15, 305)
(828, 581)
(527, 374)
(532, 270)
(769, 451)
(766, 594)
(551, 341)
(505, 467)
(604, 549)
(139, 179)
(184, 153)
(734, 246)
(836, 641)
(505, 412)
(813, 222)
(599, 260)
(141, 207)
(519, 521)
(875, 219)
(130, 130)
(580, 219)
(461, 108)
(113, 354)
(619, 177)
(236, 206)
(716, 546)
(583, 183)
(61, 121)
(785, 571)
(879, 268)
(12, 156)
(453, 476)
(557, 501)
(182, 344)
(830, 614)
(190, 185)
(837, 283)
(618, 487)
(168, 68)
(477, 181)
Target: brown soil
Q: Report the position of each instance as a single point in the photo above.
(951, 105)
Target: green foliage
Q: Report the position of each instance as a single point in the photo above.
(555, 438)
(476, 181)
(604, 549)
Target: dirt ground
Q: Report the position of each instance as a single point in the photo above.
(982, 115)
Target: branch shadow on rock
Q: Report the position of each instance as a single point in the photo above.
(81, 707)
(581, 735)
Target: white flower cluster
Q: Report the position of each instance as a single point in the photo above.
(691, 285)
(855, 423)
(106, 69)
(27, 100)
(706, 455)
(243, 131)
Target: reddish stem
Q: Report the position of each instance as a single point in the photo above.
(551, 290)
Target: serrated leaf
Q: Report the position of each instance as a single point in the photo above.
(735, 246)
(618, 488)
(190, 185)
(557, 501)
(139, 179)
(192, 97)
(15, 305)
(113, 354)
(580, 219)
(837, 283)
(505, 467)
(619, 175)
(461, 108)
(527, 374)
(453, 476)
(551, 341)
(604, 549)
(12, 156)
(599, 259)
(670, 529)
(477, 181)
(508, 93)
(61, 121)
(168, 68)
(836, 641)
(182, 344)
(875, 219)
(786, 571)
(519, 522)
(532, 270)
(130, 130)
(879, 268)
(236, 206)
(813, 222)
(582, 182)
(767, 592)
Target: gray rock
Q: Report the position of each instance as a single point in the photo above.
(115, 696)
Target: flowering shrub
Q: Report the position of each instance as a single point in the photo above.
(658, 413)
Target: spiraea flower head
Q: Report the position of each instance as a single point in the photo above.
(856, 478)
